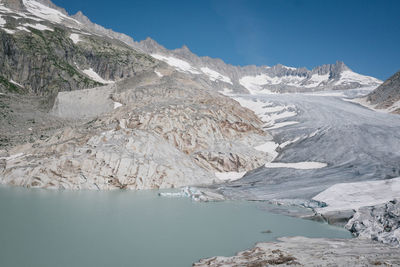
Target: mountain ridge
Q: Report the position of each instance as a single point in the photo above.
(220, 75)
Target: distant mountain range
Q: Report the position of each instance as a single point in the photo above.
(259, 79)
(84, 55)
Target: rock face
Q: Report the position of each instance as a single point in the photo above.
(387, 95)
(166, 132)
(379, 223)
(311, 252)
(43, 55)
(13, 4)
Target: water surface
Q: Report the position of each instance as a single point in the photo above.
(126, 228)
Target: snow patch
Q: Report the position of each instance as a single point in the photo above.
(289, 68)
(75, 38)
(117, 105)
(23, 29)
(17, 84)
(96, 77)
(348, 76)
(317, 80)
(255, 83)
(229, 176)
(347, 196)
(216, 76)
(9, 31)
(159, 74)
(179, 64)
(3, 8)
(2, 22)
(47, 13)
(39, 27)
(268, 147)
(306, 165)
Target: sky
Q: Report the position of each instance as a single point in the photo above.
(364, 34)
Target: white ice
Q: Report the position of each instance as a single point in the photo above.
(45, 12)
(349, 76)
(159, 74)
(347, 196)
(13, 82)
(317, 79)
(216, 76)
(96, 77)
(39, 27)
(2, 22)
(75, 38)
(306, 165)
(117, 105)
(229, 176)
(269, 147)
(179, 64)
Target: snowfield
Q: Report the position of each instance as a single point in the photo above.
(216, 76)
(347, 196)
(179, 64)
(46, 13)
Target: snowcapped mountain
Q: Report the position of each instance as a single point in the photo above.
(19, 17)
(259, 79)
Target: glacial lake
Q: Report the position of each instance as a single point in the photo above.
(40, 228)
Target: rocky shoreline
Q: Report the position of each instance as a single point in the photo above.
(292, 251)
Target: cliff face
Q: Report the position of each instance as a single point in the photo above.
(43, 53)
(44, 62)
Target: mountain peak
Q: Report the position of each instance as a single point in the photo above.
(151, 46)
(185, 48)
(79, 16)
(341, 66)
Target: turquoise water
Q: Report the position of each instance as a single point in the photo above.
(125, 228)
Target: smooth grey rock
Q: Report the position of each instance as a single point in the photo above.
(302, 251)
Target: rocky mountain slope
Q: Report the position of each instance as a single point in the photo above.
(143, 125)
(43, 51)
(387, 95)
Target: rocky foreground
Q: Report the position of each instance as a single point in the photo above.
(302, 251)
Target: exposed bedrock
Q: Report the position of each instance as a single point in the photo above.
(302, 251)
(166, 132)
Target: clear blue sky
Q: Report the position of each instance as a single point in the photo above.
(365, 34)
